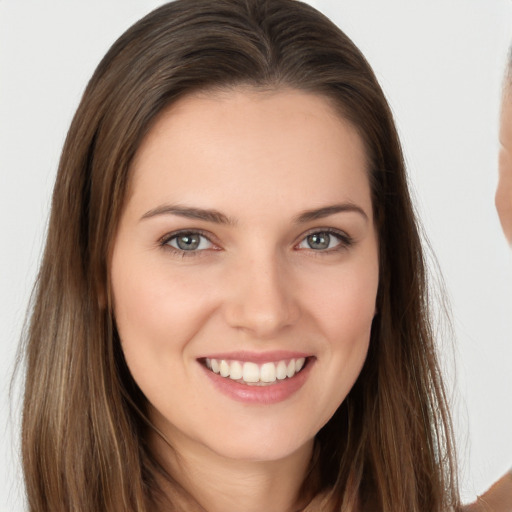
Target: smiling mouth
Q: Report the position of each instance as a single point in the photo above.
(253, 374)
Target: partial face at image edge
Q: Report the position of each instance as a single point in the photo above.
(504, 189)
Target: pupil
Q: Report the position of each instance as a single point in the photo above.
(319, 241)
(188, 242)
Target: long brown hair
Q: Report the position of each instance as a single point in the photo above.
(84, 419)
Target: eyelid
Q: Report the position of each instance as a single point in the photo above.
(164, 241)
(345, 239)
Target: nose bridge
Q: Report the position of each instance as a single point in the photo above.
(262, 301)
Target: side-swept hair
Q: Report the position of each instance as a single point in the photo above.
(85, 427)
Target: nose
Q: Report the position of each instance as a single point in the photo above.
(262, 301)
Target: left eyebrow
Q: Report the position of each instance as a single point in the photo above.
(326, 211)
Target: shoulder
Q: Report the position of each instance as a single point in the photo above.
(498, 498)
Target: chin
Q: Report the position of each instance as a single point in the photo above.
(262, 449)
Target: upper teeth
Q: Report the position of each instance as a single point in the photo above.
(253, 373)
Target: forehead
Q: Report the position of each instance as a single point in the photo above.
(251, 103)
(237, 140)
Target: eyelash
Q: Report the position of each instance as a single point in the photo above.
(345, 241)
(164, 242)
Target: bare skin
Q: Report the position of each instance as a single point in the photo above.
(497, 499)
(220, 484)
(504, 189)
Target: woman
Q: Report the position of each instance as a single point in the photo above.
(231, 312)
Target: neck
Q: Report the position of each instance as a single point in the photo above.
(220, 484)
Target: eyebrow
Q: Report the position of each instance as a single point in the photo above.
(190, 213)
(326, 211)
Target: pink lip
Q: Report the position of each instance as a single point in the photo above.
(270, 394)
(257, 357)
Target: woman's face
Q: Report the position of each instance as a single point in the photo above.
(245, 270)
(504, 190)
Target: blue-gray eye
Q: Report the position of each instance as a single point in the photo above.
(189, 242)
(320, 241)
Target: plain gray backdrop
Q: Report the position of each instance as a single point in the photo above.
(440, 63)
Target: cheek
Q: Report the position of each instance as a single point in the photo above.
(348, 322)
(503, 196)
(157, 315)
(504, 189)
(157, 311)
(344, 314)
(344, 302)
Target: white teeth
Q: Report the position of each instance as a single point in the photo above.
(224, 368)
(235, 370)
(214, 365)
(268, 372)
(290, 369)
(281, 370)
(252, 373)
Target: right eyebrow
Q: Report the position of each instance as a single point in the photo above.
(188, 212)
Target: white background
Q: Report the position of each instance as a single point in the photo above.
(440, 63)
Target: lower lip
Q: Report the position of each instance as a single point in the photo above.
(269, 394)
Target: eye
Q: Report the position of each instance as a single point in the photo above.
(324, 241)
(188, 241)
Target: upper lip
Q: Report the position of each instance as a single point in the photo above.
(257, 357)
